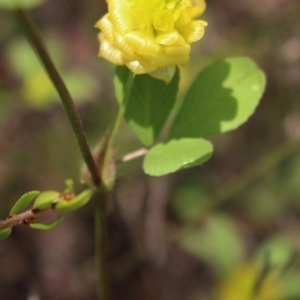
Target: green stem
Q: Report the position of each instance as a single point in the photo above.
(35, 39)
(101, 215)
(122, 109)
(101, 248)
(118, 122)
(37, 44)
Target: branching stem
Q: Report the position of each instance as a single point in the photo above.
(36, 41)
(22, 218)
(132, 155)
(37, 44)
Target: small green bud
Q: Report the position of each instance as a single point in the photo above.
(23, 202)
(75, 202)
(46, 200)
(47, 226)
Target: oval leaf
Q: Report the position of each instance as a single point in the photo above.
(46, 199)
(4, 233)
(47, 226)
(75, 203)
(24, 201)
(149, 102)
(165, 158)
(222, 97)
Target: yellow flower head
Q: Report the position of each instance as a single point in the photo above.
(150, 36)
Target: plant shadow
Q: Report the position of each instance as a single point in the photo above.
(205, 115)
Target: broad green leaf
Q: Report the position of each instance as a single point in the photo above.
(149, 102)
(4, 233)
(47, 226)
(174, 155)
(75, 203)
(11, 4)
(222, 97)
(24, 201)
(46, 199)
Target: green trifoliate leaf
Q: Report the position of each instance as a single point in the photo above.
(4, 233)
(76, 202)
(47, 226)
(222, 97)
(24, 201)
(165, 158)
(148, 102)
(46, 200)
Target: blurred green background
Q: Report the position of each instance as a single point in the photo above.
(228, 230)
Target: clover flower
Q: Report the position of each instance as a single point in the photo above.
(150, 36)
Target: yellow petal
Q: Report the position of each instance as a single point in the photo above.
(150, 36)
(193, 32)
(196, 12)
(169, 38)
(142, 43)
(183, 20)
(111, 54)
(201, 4)
(106, 28)
(122, 21)
(181, 52)
(123, 46)
(176, 12)
(171, 5)
(163, 20)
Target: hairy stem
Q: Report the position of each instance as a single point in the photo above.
(37, 44)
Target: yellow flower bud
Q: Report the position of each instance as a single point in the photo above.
(150, 36)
